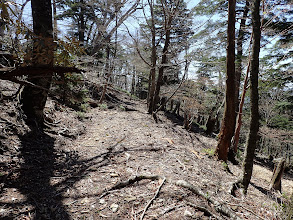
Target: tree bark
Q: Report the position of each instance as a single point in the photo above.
(163, 63)
(82, 25)
(238, 71)
(277, 175)
(152, 78)
(229, 118)
(55, 27)
(253, 137)
(33, 100)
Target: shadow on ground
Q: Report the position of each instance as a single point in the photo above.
(42, 163)
(37, 151)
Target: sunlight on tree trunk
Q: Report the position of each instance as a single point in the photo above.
(252, 139)
(238, 72)
(229, 118)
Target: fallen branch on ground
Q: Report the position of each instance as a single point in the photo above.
(182, 183)
(203, 209)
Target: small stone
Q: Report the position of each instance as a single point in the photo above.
(114, 207)
(187, 213)
(102, 201)
(130, 198)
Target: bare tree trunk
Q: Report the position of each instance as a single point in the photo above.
(253, 137)
(81, 26)
(55, 28)
(238, 71)
(152, 78)
(133, 89)
(108, 74)
(34, 99)
(229, 118)
(163, 63)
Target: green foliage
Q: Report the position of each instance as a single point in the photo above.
(282, 122)
(209, 151)
(80, 115)
(288, 209)
(225, 165)
(122, 107)
(71, 90)
(103, 106)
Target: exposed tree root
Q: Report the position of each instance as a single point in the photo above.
(182, 183)
(203, 209)
(151, 201)
(218, 207)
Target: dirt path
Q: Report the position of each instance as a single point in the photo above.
(57, 178)
(129, 143)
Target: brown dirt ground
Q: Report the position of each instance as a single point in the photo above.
(64, 172)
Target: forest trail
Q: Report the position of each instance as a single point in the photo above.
(129, 143)
(69, 178)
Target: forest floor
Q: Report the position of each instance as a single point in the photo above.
(69, 171)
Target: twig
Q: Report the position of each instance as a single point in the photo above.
(134, 180)
(151, 201)
(203, 209)
(219, 208)
(182, 183)
(252, 212)
(169, 210)
(182, 164)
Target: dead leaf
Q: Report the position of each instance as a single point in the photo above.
(196, 153)
(169, 140)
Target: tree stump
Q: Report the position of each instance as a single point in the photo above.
(277, 174)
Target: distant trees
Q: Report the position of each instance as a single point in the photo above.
(167, 25)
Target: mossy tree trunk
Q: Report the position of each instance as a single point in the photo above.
(33, 99)
(252, 139)
(229, 118)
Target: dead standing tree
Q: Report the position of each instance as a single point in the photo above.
(277, 175)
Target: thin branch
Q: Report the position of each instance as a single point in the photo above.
(10, 72)
(151, 201)
(136, 47)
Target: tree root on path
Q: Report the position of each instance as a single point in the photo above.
(151, 201)
(220, 208)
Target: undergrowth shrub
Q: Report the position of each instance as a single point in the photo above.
(288, 209)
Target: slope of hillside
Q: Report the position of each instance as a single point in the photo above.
(117, 163)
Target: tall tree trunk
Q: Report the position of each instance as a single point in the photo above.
(252, 139)
(229, 118)
(163, 63)
(55, 34)
(133, 81)
(238, 71)
(81, 27)
(3, 20)
(152, 78)
(33, 99)
(107, 73)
